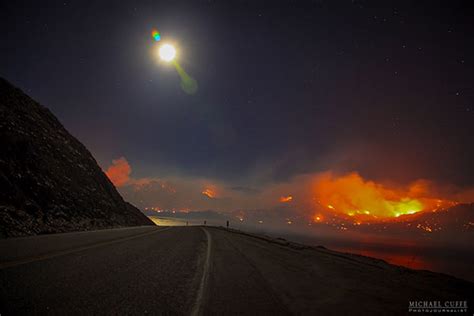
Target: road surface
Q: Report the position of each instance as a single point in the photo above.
(203, 271)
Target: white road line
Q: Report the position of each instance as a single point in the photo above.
(198, 305)
(14, 263)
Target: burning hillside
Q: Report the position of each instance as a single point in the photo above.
(351, 196)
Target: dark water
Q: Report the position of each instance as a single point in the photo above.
(456, 263)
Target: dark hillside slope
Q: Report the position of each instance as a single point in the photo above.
(49, 181)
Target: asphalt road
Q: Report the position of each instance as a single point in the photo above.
(203, 271)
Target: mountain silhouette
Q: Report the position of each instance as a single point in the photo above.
(49, 181)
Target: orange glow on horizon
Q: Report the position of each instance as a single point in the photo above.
(210, 193)
(351, 195)
(286, 199)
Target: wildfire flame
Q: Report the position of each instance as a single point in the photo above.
(286, 199)
(209, 193)
(353, 196)
(318, 217)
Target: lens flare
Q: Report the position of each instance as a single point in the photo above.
(156, 35)
(167, 52)
(188, 84)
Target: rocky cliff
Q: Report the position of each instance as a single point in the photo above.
(49, 181)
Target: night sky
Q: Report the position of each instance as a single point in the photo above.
(285, 87)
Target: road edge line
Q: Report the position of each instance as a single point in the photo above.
(198, 304)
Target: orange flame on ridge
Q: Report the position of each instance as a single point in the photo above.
(351, 195)
(210, 193)
(286, 199)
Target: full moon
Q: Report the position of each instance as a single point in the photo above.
(167, 52)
